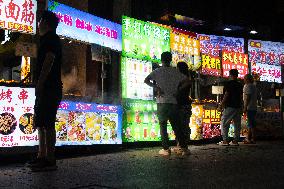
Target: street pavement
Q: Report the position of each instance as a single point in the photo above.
(208, 166)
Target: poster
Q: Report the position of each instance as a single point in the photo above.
(211, 122)
(18, 15)
(185, 47)
(211, 65)
(82, 26)
(133, 74)
(79, 123)
(144, 40)
(196, 122)
(266, 58)
(233, 60)
(16, 117)
(140, 122)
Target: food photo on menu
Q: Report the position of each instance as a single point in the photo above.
(8, 123)
(93, 126)
(76, 126)
(61, 125)
(26, 124)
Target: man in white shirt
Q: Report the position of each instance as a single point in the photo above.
(165, 81)
(250, 107)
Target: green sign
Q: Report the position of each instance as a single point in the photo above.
(140, 122)
(143, 40)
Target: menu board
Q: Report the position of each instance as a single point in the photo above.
(140, 122)
(211, 47)
(144, 40)
(18, 15)
(133, 73)
(86, 27)
(16, 117)
(79, 123)
(266, 59)
(233, 60)
(185, 47)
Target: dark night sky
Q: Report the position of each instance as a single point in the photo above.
(266, 18)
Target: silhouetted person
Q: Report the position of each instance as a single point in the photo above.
(232, 104)
(48, 91)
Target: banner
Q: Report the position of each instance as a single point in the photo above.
(144, 40)
(18, 15)
(82, 26)
(233, 60)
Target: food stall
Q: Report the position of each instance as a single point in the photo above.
(17, 50)
(142, 46)
(266, 60)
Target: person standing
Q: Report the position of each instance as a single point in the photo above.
(231, 106)
(165, 81)
(48, 91)
(250, 107)
(184, 103)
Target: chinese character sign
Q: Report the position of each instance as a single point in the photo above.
(185, 47)
(133, 73)
(18, 15)
(266, 52)
(143, 40)
(211, 65)
(267, 72)
(233, 60)
(265, 56)
(16, 117)
(85, 27)
(213, 45)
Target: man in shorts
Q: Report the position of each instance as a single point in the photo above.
(48, 91)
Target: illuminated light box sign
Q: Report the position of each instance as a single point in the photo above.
(133, 73)
(85, 27)
(140, 122)
(233, 60)
(211, 65)
(18, 15)
(196, 122)
(79, 123)
(16, 117)
(144, 40)
(266, 52)
(266, 58)
(211, 122)
(213, 45)
(185, 47)
(267, 72)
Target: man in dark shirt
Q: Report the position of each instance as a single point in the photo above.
(231, 103)
(48, 91)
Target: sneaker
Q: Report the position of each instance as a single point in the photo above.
(164, 152)
(175, 149)
(184, 152)
(234, 143)
(44, 165)
(223, 143)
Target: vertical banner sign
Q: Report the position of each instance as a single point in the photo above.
(16, 117)
(266, 59)
(85, 27)
(211, 47)
(144, 40)
(233, 60)
(18, 15)
(185, 47)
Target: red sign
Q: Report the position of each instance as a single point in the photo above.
(233, 60)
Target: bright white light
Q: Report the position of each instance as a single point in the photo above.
(253, 32)
(227, 29)
(70, 42)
